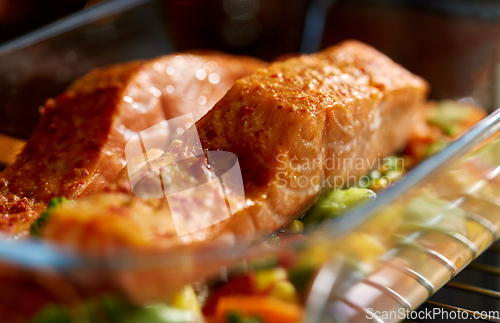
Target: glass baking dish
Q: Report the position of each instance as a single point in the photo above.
(442, 215)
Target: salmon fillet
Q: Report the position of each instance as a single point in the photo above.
(78, 145)
(298, 127)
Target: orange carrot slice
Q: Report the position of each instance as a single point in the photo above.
(268, 309)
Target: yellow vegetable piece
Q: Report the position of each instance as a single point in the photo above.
(186, 300)
(267, 277)
(296, 226)
(394, 175)
(380, 184)
(362, 247)
(284, 291)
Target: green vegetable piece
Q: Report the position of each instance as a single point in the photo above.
(56, 201)
(36, 227)
(300, 277)
(426, 212)
(159, 313)
(447, 115)
(51, 314)
(260, 264)
(434, 148)
(111, 309)
(233, 317)
(337, 202)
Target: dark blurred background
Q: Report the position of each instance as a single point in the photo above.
(425, 36)
(18, 17)
(453, 44)
(429, 38)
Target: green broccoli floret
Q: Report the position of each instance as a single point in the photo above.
(36, 227)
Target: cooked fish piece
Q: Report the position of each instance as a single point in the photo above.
(299, 128)
(310, 124)
(78, 147)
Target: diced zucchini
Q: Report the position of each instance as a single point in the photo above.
(434, 148)
(448, 115)
(425, 212)
(338, 202)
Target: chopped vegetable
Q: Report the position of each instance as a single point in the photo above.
(394, 175)
(52, 314)
(296, 226)
(338, 202)
(268, 277)
(112, 310)
(422, 136)
(369, 180)
(445, 121)
(236, 285)
(285, 291)
(421, 213)
(237, 318)
(36, 226)
(300, 276)
(263, 263)
(187, 300)
(269, 309)
(448, 115)
(434, 148)
(159, 313)
(380, 183)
